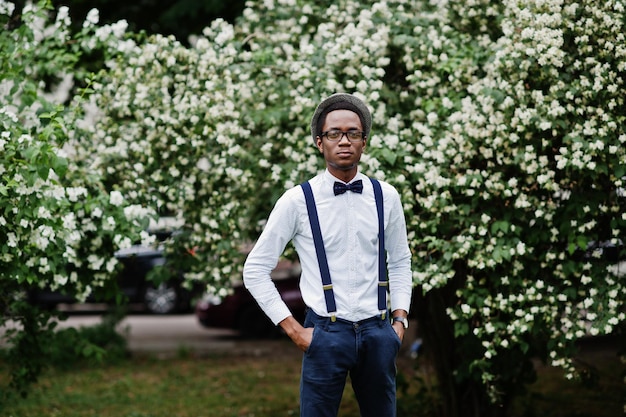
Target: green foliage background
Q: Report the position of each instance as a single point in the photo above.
(501, 123)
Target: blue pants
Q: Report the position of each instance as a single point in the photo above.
(365, 350)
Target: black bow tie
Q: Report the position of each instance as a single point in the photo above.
(340, 188)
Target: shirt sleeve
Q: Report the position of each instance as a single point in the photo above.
(398, 254)
(279, 230)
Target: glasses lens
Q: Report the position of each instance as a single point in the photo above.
(355, 135)
(334, 134)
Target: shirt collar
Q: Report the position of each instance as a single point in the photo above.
(330, 178)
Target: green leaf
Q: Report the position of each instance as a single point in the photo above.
(59, 165)
(43, 170)
(524, 346)
(460, 328)
(31, 154)
(501, 225)
(389, 156)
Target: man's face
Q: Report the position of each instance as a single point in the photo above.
(342, 156)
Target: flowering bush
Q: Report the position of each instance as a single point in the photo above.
(60, 227)
(499, 122)
(517, 170)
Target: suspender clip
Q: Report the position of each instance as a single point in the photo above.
(333, 318)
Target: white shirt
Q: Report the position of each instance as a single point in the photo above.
(349, 225)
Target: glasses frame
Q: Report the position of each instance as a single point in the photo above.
(346, 134)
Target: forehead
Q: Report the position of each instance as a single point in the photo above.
(342, 119)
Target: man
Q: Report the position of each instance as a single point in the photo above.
(335, 230)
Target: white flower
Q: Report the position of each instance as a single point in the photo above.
(111, 263)
(73, 193)
(42, 236)
(118, 29)
(92, 19)
(12, 240)
(95, 262)
(136, 211)
(116, 198)
(63, 15)
(43, 213)
(60, 280)
(6, 8)
(109, 224)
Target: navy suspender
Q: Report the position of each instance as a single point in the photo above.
(321, 252)
(319, 249)
(382, 265)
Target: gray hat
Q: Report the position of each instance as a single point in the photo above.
(340, 101)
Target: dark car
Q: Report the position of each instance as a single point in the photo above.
(165, 298)
(239, 310)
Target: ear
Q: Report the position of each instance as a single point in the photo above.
(319, 142)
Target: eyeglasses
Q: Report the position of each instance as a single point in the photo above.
(337, 135)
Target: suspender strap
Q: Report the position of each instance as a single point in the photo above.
(329, 295)
(383, 283)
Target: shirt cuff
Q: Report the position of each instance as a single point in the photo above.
(401, 302)
(278, 313)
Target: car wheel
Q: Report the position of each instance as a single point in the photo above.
(161, 299)
(254, 324)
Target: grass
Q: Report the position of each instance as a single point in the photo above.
(245, 385)
(216, 386)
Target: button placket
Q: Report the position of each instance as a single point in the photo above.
(352, 248)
